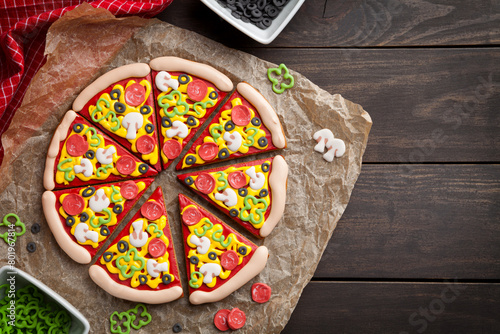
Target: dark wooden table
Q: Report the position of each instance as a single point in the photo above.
(418, 248)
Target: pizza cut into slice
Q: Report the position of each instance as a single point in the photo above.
(140, 264)
(80, 154)
(82, 219)
(252, 193)
(219, 260)
(245, 125)
(186, 94)
(121, 103)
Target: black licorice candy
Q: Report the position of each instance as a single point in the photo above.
(260, 13)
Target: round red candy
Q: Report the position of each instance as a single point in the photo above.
(125, 165)
(145, 144)
(197, 90)
(157, 247)
(229, 260)
(261, 292)
(172, 148)
(220, 320)
(135, 94)
(237, 179)
(205, 183)
(191, 216)
(73, 204)
(151, 210)
(76, 146)
(241, 115)
(129, 190)
(208, 151)
(236, 319)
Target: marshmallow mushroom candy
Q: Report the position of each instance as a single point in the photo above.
(121, 103)
(252, 193)
(82, 219)
(325, 139)
(187, 93)
(219, 260)
(245, 125)
(140, 263)
(80, 155)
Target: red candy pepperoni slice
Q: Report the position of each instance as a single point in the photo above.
(236, 319)
(261, 292)
(145, 144)
(208, 151)
(241, 115)
(172, 149)
(73, 204)
(157, 247)
(151, 210)
(76, 146)
(220, 320)
(191, 216)
(129, 190)
(205, 183)
(197, 90)
(125, 165)
(229, 260)
(135, 94)
(237, 179)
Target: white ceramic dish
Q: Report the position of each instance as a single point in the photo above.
(79, 325)
(261, 36)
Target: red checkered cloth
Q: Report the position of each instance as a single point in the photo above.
(23, 28)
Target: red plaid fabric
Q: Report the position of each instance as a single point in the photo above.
(23, 28)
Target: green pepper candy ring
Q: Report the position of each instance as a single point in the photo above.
(118, 329)
(277, 87)
(18, 223)
(134, 313)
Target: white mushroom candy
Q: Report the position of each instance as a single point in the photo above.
(85, 167)
(132, 122)
(335, 147)
(164, 81)
(228, 197)
(105, 155)
(82, 233)
(99, 201)
(138, 237)
(233, 140)
(178, 129)
(209, 271)
(154, 268)
(203, 244)
(257, 180)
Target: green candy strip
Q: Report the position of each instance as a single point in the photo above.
(195, 276)
(222, 178)
(224, 243)
(123, 268)
(203, 105)
(114, 193)
(103, 170)
(250, 137)
(67, 170)
(205, 227)
(248, 207)
(156, 230)
(111, 113)
(93, 137)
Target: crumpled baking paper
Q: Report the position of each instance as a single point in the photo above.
(88, 42)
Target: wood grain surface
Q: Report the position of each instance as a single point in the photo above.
(418, 248)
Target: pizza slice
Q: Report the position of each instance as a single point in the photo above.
(186, 94)
(80, 154)
(219, 260)
(252, 193)
(245, 125)
(121, 103)
(140, 263)
(82, 219)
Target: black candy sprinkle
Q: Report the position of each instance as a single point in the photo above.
(31, 247)
(260, 13)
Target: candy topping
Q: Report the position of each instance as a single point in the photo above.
(125, 165)
(151, 210)
(191, 216)
(73, 204)
(76, 145)
(205, 183)
(241, 115)
(208, 151)
(237, 179)
(220, 320)
(229, 260)
(145, 144)
(261, 292)
(157, 247)
(236, 318)
(129, 190)
(135, 94)
(197, 90)
(172, 149)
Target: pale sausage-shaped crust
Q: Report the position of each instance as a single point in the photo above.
(53, 151)
(251, 269)
(203, 71)
(137, 70)
(68, 245)
(277, 183)
(266, 111)
(101, 278)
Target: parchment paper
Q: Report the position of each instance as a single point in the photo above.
(88, 42)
